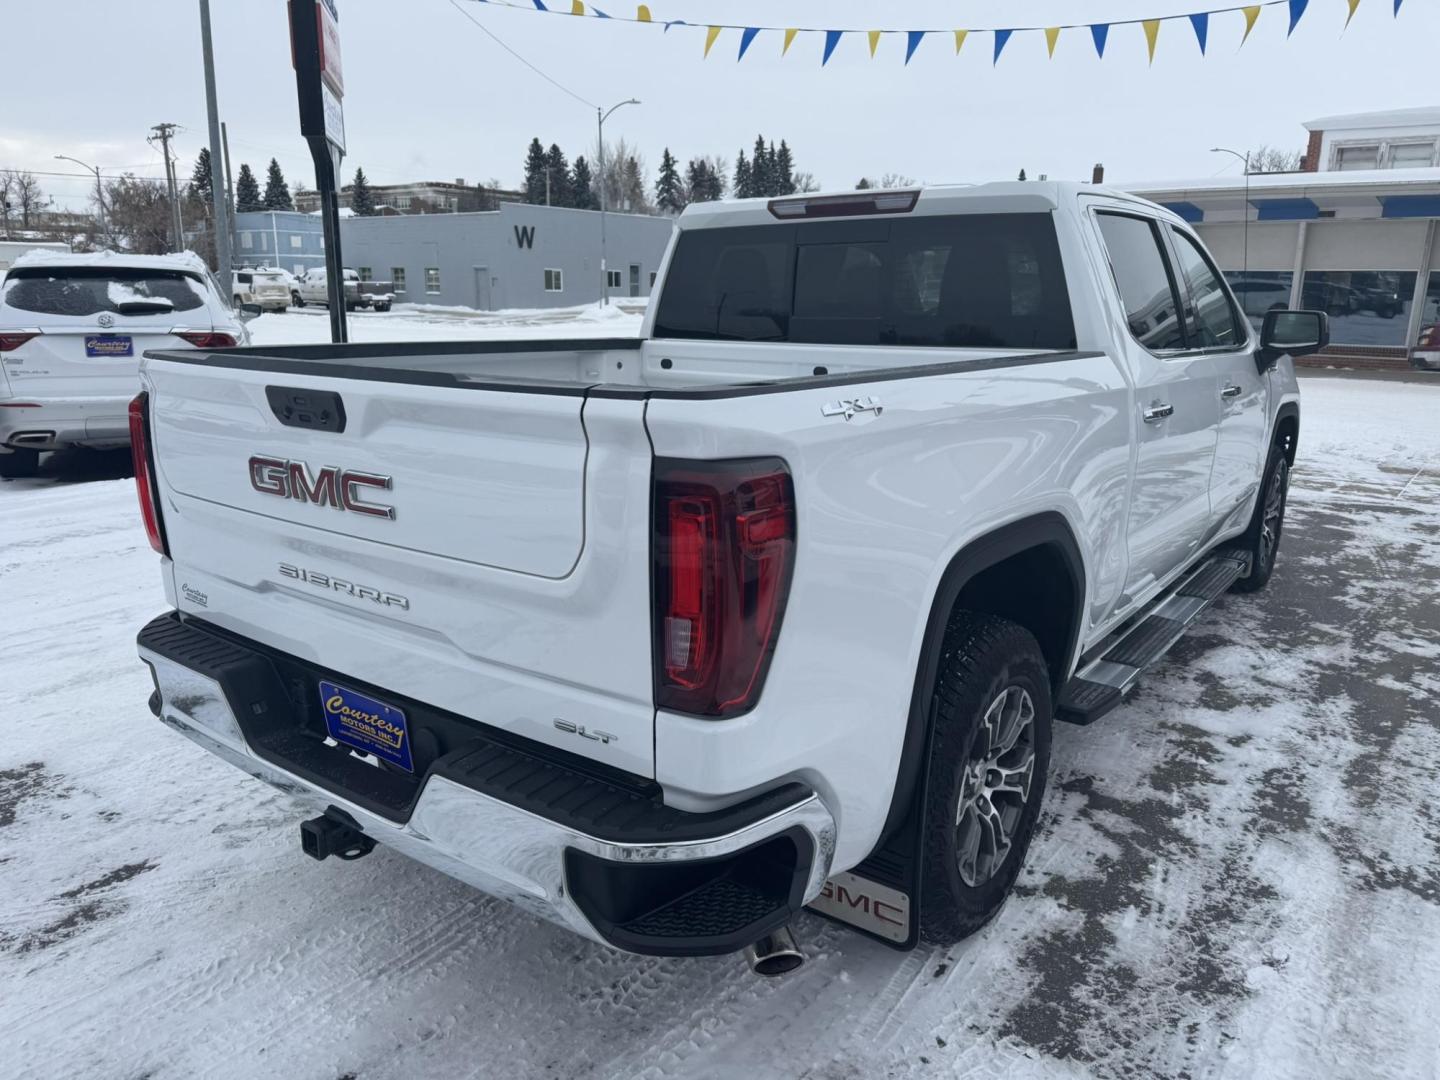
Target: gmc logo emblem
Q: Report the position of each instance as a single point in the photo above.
(869, 905)
(340, 488)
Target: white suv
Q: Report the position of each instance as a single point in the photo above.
(72, 331)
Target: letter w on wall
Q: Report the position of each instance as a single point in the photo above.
(525, 236)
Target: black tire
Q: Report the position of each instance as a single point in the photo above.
(1261, 540)
(19, 464)
(297, 299)
(985, 660)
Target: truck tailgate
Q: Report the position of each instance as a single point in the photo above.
(437, 546)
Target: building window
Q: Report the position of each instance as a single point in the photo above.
(1412, 155)
(397, 277)
(402, 202)
(1260, 291)
(554, 281)
(612, 278)
(432, 279)
(652, 279)
(1366, 307)
(247, 240)
(295, 241)
(1357, 157)
(364, 272)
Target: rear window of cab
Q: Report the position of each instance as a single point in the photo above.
(82, 290)
(972, 281)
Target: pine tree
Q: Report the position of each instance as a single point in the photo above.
(247, 191)
(582, 190)
(1022, 174)
(559, 176)
(632, 187)
(760, 168)
(784, 171)
(362, 200)
(744, 185)
(277, 195)
(670, 194)
(200, 177)
(535, 173)
(865, 184)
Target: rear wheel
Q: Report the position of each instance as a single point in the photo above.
(297, 299)
(989, 753)
(1261, 541)
(19, 464)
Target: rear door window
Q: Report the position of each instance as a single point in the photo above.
(982, 280)
(82, 290)
(1142, 276)
(1213, 321)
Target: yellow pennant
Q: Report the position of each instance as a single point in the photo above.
(789, 37)
(1052, 35)
(710, 36)
(576, 7)
(1251, 14)
(959, 40)
(874, 40)
(1353, 5)
(1152, 31)
(642, 13)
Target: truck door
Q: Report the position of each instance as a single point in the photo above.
(1215, 325)
(1176, 406)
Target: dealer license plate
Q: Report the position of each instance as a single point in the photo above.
(368, 725)
(109, 345)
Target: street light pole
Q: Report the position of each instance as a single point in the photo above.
(600, 118)
(1244, 221)
(99, 190)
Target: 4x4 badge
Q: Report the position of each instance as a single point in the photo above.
(848, 407)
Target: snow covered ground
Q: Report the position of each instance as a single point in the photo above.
(1238, 873)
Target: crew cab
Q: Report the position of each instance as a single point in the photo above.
(665, 639)
(72, 331)
(312, 287)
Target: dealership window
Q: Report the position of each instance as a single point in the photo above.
(432, 279)
(1429, 334)
(1260, 291)
(1357, 157)
(295, 241)
(612, 278)
(397, 275)
(554, 281)
(247, 240)
(364, 272)
(1412, 155)
(1366, 307)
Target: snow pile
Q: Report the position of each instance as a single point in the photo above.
(182, 260)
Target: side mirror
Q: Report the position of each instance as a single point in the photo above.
(1291, 333)
(250, 311)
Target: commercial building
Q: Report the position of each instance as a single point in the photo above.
(286, 239)
(519, 256)
(420, 197)
(1354, 234)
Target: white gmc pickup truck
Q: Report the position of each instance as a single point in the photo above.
(665, 639)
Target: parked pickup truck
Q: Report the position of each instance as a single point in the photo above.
(312, 287)
(665, 639)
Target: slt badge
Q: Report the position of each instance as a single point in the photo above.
(848, 407)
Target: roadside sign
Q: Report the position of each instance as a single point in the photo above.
(328, 26)
(334, 118)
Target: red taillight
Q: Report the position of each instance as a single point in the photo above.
(14, 340)
(724, 547)
(145, 471)
(206, 339)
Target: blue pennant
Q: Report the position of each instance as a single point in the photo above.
(912, 42)
(1001, 37)
(746, 36)
(1297, 8)
(1397, 7)
(540, 5)
(598, 13)
(832, 38)
(1100, 31)
(1201, 23)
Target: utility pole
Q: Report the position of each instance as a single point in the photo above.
(217, 180)
(99, 193)
(229, 188)
(164, 132)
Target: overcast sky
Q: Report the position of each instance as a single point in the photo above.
(430, 96)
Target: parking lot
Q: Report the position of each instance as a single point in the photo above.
(1238, 872)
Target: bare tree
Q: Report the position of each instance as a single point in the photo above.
(622, 182)
(1271, 159)
(138, 214)
(805, 181)
(895, 179)
(21, 193)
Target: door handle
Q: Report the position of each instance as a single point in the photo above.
(1231, 390)
(1153, 414)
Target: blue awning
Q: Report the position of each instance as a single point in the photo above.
(1403, 206)
(1285, 209)
(1186, 211)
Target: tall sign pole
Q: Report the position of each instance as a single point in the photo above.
(217, 186)
(320, 86)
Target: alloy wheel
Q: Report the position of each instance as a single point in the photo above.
(995, 786)
(1273, 516)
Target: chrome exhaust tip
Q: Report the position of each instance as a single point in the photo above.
(774, 954)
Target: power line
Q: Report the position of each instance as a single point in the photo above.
(486, 31)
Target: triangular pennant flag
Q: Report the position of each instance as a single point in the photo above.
(789, 37)
(912, 42)
(832, 38)
(540, 5)
(1001, 37)
(1297, 8)
(1251, 14)
(577, 7)
(1397, 7)
(1100, 31)
(1052, 34)
(1152, 31)
(874, 40)
(597, 12)
(1353, 5)
(642, 13)
(746, 37)
(1201, 23)
(960, 36)
(710, 36)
